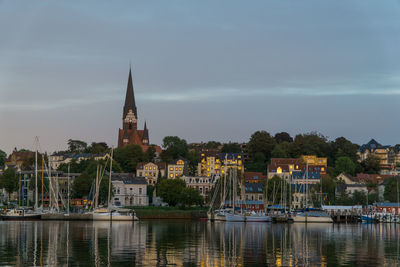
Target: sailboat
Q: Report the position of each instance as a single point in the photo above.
(110, 213)
(23, 213)
(233, 216)
(311, 215)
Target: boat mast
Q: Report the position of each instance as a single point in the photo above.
(68, 188)
(109, 182)
(36, 172)
(42, 179)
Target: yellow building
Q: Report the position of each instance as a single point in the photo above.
(217, 163)
(150, 171)
(177, 168)
(314, 160)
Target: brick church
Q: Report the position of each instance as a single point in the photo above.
(129, 134)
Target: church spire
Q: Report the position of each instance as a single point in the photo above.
(130, 97)
(145, 134)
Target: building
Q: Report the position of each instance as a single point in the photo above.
(202, 184)
(129, 134)
(17, 158)
(254, 191)
(387, 207)
(255, 177)
(57, 159)
(212, 163)
(151, 171)
(178, 168)
(307, 169)
(389, 156)
(129, 190)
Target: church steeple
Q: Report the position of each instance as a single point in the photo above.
(145, 134)
(130, 97)
(129, 116)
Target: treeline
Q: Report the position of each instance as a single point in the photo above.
(341, 153)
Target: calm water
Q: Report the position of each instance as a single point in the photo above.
(187, 243)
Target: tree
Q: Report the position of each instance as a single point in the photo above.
(283, 137)
(279, 151)
(82, 185)
(231, 148)
(98, 148)
(174, 147)
(359, 197)
(345, 165)
(371, 164)
(342, 147)
(213, 145)
(328, 188)
(392, 189)
(261, 141)
(128, 157)
(258, 164)
(32, 184)
(3, 157)
(9, 181)
(190, 197)
(170, 190)
(276, 186)
(193, 157)
(76, 146)
(312, 144)
(150, 154)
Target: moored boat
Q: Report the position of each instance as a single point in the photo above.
(20, 214)
(312, 216)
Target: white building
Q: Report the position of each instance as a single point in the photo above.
(129, 190)
(202, 184)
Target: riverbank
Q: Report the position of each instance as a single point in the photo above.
(144, 213)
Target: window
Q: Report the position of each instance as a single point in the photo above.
(171, 168)
(140, 191)
(180, 168)
(176, 168)
(171, 175)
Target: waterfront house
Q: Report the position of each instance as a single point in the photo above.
(129, 190)
(151, 171)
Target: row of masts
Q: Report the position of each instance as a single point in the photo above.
(54, 192)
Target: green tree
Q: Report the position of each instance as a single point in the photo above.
(342, 147)
(359, 198)
(193, 158)
(231, 148)
(76, 146)
(128, 157)
(283, 137)
(191, 197)
(312, 144)
(371, 164)
(280, 151)
(258, 163)
(9, 181)
(82, 185)
(3, 157)
(261, 142)
(392, 189)
(345, 165)
(98, 148)
(174, 147)
(170, 190)
(213, 145)
(150, 154)
(329, 185)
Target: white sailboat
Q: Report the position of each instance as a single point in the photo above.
(311, 215)
(110, 213)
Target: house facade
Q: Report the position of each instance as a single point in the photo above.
(129, 190)
(151, 171)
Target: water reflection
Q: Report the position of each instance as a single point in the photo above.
(188, 243)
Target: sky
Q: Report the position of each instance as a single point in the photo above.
(202, 70)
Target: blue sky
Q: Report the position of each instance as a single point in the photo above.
(203, 70)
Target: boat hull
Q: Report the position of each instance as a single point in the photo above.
(312, 219)
(24, 217)
(258, 218)
(235, 218)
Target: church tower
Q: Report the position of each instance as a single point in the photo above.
(129, 115)
(129, 134)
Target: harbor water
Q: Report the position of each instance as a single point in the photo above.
(196, 243)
